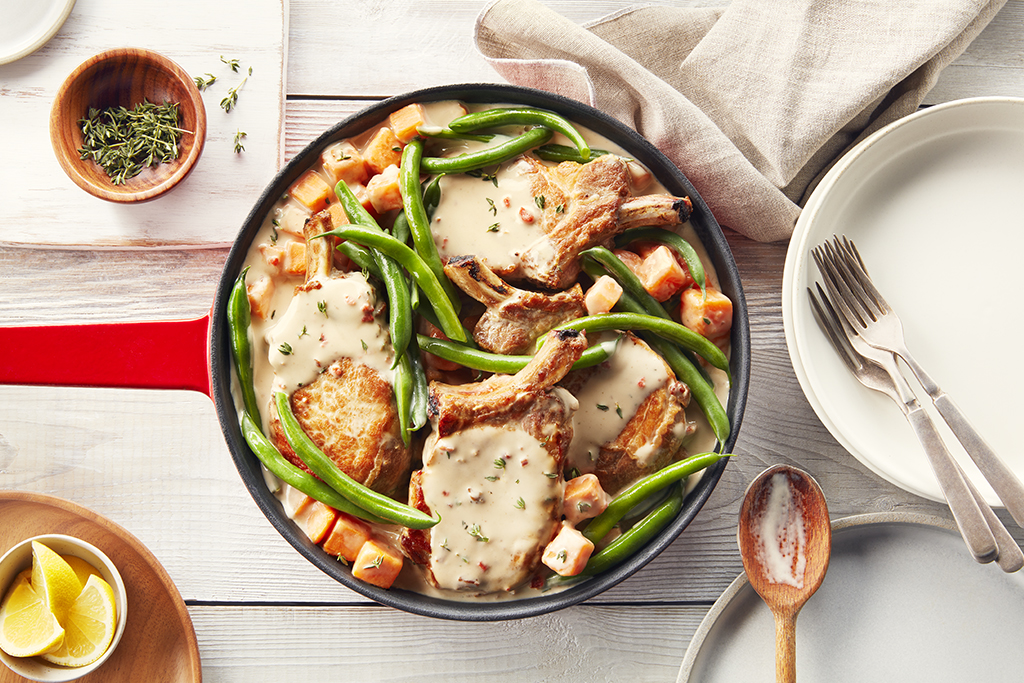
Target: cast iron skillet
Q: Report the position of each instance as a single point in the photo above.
(173, 355)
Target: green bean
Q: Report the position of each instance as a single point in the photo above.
(400, 229)
(399, 303)
(323, 467)
(296, 478)
(493, 118)
(416, 214)
(360, 256)
(449, 134)
(666, 329)
(685, 369)
(628, 279)
(470, 161)
(432, 193)
(599, 526)
(502, 364)
(411, 261)
(420, 389)
(403, 395)
(673, 240)
(239, 317)
(638, 535)
(553, 152)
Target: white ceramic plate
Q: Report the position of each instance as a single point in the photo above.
(901, 601)
(934, 203)
(26, 26)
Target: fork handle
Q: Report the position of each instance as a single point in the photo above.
(1003, 481)
(965, 508)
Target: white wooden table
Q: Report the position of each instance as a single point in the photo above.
(156, 463)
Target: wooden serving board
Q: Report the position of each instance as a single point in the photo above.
(43, 206)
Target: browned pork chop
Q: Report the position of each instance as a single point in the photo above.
(586, 205)
(515, 318)
(632, 418)
(492, 471)
(349, 411)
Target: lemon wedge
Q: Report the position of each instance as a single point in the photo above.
(88, 627)
(54, 580)
(27, 627)
(83, 570)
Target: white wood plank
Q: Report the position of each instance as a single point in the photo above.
(257, 645)
(45, 207)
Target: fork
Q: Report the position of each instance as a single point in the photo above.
(876, 370)
(874, 320)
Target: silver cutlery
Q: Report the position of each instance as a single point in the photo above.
(987, 538)
(874, 321)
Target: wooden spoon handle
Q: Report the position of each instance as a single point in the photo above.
(785, 648)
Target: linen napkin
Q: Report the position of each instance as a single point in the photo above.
(754, 101)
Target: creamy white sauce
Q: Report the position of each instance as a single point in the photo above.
(495, 490)
(609, 400)
(781, 536)
(335, 320)
(494, 217)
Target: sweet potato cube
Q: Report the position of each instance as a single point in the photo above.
(317, 520)
(338, 215)
(273, 255)
(584, 498)
(383, 190)
(631, 259)
(377, 564)
(661, 274)
(294, 258)
(383, 149)
(311, 190)
(568, 553)
(602, 295)
(407, 120)
(710, 317)
(260, 294)
(295, 502)
(342, 161)
(346, 537)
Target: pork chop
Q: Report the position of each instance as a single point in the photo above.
(492, 471)
(586, 205)
(514, 318)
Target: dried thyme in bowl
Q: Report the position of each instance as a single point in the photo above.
(124, 141)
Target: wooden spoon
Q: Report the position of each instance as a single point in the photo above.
(785, 539)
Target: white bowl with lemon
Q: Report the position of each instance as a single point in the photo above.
(63, 609)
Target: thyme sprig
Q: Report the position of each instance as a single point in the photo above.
(231, 99)
(125, 141)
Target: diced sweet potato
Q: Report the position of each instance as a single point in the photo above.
(710, 317)
(338, 215)
(311, 190)
(383, 149)
(294, 258)
(631, 259)
(260, 293)
(342, 161)
(317, 520)
(377, 564)
(661, 274)
(406, 121)
(383, 190)
(346, 537)
(584, 498)
(295, 502)
(602, 295)
(568, 553)
(273, 255)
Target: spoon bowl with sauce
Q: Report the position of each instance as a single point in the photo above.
(785, 540)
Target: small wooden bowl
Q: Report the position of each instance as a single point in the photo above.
(126, 77)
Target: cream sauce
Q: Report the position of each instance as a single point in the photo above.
(610, 398)
(781, 535)
(335, 320)
(496, 491)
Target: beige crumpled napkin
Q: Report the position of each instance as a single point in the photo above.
(754, 101)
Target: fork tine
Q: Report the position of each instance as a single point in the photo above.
(834, 284)
(828, 323)
(855, 264)
(852, 288)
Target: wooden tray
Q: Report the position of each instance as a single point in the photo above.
(159, 643)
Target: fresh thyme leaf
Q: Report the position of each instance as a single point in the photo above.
(563, 555)
(285, 348)
(365, 347)
(322, 307)
(476, 533)
(204, 83)
(238, 141)
(492, 478)
(521, 504)
(491, 207)
(618, 409)
(304, 333)
(499, 463)
(376, 563)
(493, 227)
(560, 208)
(233, 63)
(231, 99)
(125, 141)
(601, 406)
(582, 506)
(539, 199)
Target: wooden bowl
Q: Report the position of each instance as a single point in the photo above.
(126, 77)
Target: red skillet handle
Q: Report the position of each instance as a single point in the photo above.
(149, 355)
